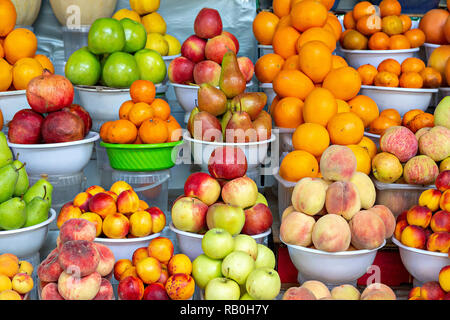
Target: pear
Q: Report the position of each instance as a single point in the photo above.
(224, 121)
(211, 99)
(240, 128)
(12, 214)
(263, 126)
(36, 211)
(6, 156)
(250, 102)
(191, 121)
(231, 80)
(42, 188)
(8, 179)
(22, 183)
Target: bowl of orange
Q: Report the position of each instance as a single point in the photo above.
(357, 58)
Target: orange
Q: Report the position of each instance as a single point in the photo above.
(343, 34)
(412, 64)
(349, 21)
(420, 121)
(333, 24)
(315, 60)
(6, 75)
(104, 130)
(125, 108)
(408, 116)
(365, 108)
(274, 104)
(362, 9)
(8, 16)
(285, 42)
(288, 113)
(369, 24)
(138, 140)
(367, 73)
(291, 63)
(390, 8)
(148, 270)
(363, 160)
(153, 130)
(20, 43)
(140, 112)
(268, 66)
(142, 91)
(431, 78)
(345, 128)
(45, 62)
(292, 83)
(342, 106)
(320, 106)
(126, 13)
(354, 40)
(380, 124)
(416, 37)
(298, 164)
(327, 3)
(307, 14)
(379, 41)
(411, 80)
(1, 119)
(281, 7)
(8, 266)
(338, 62)
(161, 109)
(344, 83)
(390, 65)
(122, 131)
(369, 145)
(386, 79)
(174, 129)
(264, 26)
(406, 22)
(284, 22)
(180, 263)
(161, 248)
(317, 34)
(24, 70)
(2, 51)
(311, 137)
(399, 42)
(392, 114)
(392, 25)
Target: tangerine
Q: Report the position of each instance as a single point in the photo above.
(297, 165)
(345, 128)
(369, 24)
(291, 63)
(140, 112)
(390, 8)
(344, 83)
(315, 60)
(392, 114)
(386, 79)
(333, 24)
(284, 42)
(349, 21)
(379, 41)
(264, 27)
(104, 131)
(420, 121)
(317, 34)
(311, 137)
(20, 43)
(24, 70)
(284, 22)
(122, 131)
(268, 66)
(392, 25)
(281, 7)
(153, 130)
(354, 40)
(369, 145)
(125, 109)
(342, 106)
(408, 116)
(416, 37)
(142, 91)
(431, 77)
(292, 83)
(411, 80)
(412, 64)
(288, 113)
(362, 9)
(338, 62)
(174, 129)
(390, 65)
(363, 160)
(307, 14)
(161, 109)
(399, 42)
(6, 75)
(380, 124)
(320, 107)
(367, 73)
(406, 22)
(45, 62)
(8, 17)
(365, 108)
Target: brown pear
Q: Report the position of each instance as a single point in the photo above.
(206, 127)
(212, 100)
(189, 125)
(231, 80)
(250, 102)
(263, 126)
(240, 128)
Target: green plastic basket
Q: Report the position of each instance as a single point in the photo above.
(141, 157)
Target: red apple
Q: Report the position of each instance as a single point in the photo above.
(232, 37)
(443, 181)
(257, 219)
(155, 291)
(247, 68)
(208, 23)
(227, 163)
(193, 48)
(25, 127)
(217, 47)
(206, 127)
(189, 214)
(181, 70)
(207, 71)
(202, 186)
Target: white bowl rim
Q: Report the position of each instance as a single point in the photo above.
(432, 45)
(196, 86)
(171, 57)
(266, 85)
(187, 136)
(372, 135)
(381, 51)
(127, 240)
(398, 89)
(13, 93)
(265, 46)
(200, 236)
(340, 253)
(90, 137)
(420, 251)
(284, 130)
(104, 89)
(31, 228)
(445, 89)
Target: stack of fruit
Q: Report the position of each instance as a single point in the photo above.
(436, 26)
(78, 268)
(316, 290)
(203, 52)
(117, 213)
(19, 62)
(235, 268)
(427, 225)
(438, 60)
(155, 273)
(383, 29)
(21, 206)
(338, 210)
(143, 119)
(144, 12)
(15, 277)
(433, 290)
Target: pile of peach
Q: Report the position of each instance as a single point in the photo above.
(427, 225)
(155, 273)
(316, 290)
(117, 213)
(78, 268)
(433, 290)
(15, 277)
(336, 213)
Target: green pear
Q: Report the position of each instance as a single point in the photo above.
(8, 179)
(42, 188)
(6, 156)
(36, 211)
(12, 214)
(442, 113)
(225, 118)
(22, 183)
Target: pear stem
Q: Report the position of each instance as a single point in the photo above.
(45, 192)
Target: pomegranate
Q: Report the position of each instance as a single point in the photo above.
(62, 126)
(25, 127)
(83, 114)
(49, 92)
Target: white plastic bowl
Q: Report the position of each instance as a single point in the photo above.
(357, 58)
(255, 152)
(443, 92)
(124, 248)
(331, 268)
(285, 138)
(12, 102)
(401, 99)
(26, 242)
(56, 158)
(429, 48)
(374, 137)
(191, 243)
(268, 90)
(265, 49)
(168, 60)
(423, 265)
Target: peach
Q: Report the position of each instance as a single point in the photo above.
(93, 190)
(399, 227)
(331, 233)
(161, 248)
(68, 211)
(420, 170)
(317, 288)
(366, 189)
(119, 186)
(140, 224)
(444, 278)
(116, 226)
(103, 204)
(26, 267)
(112, 194)
(139, 254)
(416, 298)
(400, 141)
(297, 228)
(439, 242)
(443, 180)
(308, 195)
(149, 270)
(414, 236)
(298, 293)
(444, 165)
(179, 263)
(131, 271)
(49, 270)
(342, 198)
(414, 292)
(378, 291)
(440, 221)
(77, 229)
(337, 163)
(106, 261)
(345, 292)
(430, 198)
(419, 216)
(10, 256)
(22, 283)
(432, 291)
(367, 229)
(216, 48)
(164, 275)
(127, 202)
(50, 292)
(202, 186)
(72, 287)
(444, 202)
(401, 216)
(180, 286)
(10, 295)
(158, 219)
(155, 291)
(79, 257)
(95, 219)
(106, 291)
(435, 143)
(120, 266)
(130, 288)
(81, 201)
(388, 218)
(9, 265)
(287, 212)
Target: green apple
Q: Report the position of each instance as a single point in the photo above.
(83, 68)
(151, 65)
(263, 284)
(237, 266)
(222, 289)
(247, 244)
(106, 35)
(205, 269)
(228, 217)
(217, 243)
(261, 199)
(120, 70)
(135, 35)
(246, 296)
(265, 257)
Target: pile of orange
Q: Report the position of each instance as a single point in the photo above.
(18, 60)
(414, 120)
(383, 29)
(144, 119)
(411, 73)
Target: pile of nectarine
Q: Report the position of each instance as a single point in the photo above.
(433, 290)
(15, 277)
